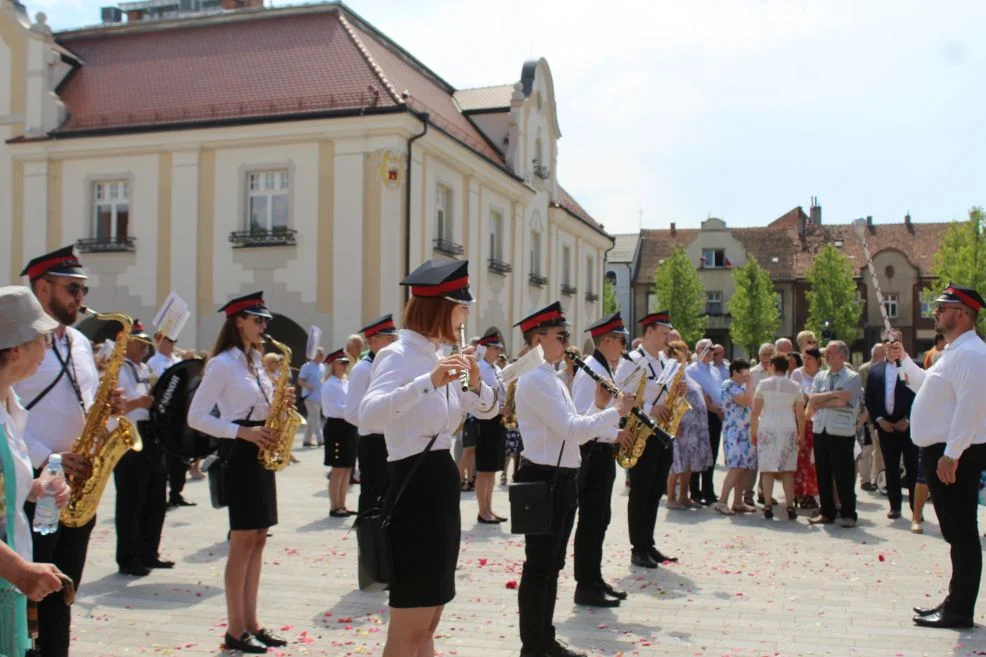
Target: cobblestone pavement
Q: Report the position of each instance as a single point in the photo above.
(744, 586)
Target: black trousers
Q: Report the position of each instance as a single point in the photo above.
(595, 482)
(67, 549)
(893, 445)
(177, 472)
(544, 559)
(957, 508)
(372, 454)
(701, 484)
(140, 505)
(834, 460)
(648, 483)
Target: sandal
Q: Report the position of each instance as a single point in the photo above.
(792, 513)
(339, 513)
(768, 512)
(744, 508)
(723, 510)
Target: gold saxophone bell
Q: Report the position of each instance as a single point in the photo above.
(282, 419)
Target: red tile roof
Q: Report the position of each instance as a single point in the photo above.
(570, 205)
(258, 65)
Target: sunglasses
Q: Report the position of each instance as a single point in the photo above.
(75, 288)
(260, 321)
(942, 307)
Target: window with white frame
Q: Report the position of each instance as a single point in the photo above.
(566, 265)
(590, 275)
(443, 213)
(713, 303)
(890, 303)
(496, 235)
(536, 253)
(268, 200)
(713, 258)
(111, 210)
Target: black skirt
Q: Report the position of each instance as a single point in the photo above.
(491, 450)
(425, 531)
(251, 489)
(340, 443)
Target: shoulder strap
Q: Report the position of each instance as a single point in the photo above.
(389, 505)
(50, 387)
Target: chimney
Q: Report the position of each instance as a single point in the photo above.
(135, 15)
(869, 224)
(674, 230)
(908, 224)
(815, 218)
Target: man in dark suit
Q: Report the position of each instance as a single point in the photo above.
(888, 401)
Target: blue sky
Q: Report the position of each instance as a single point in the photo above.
(732, 108)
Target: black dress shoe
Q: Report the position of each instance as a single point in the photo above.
(660, 557)
(135, 570)
(611, 592)
(893, 514)
(338, 513)
(158, 563)
(559, 649)
(180, 501)
(268, 639)
(927, 611)
(246, 643)
(642, 559)
(483, 521)
(868, 487)
(499, 518)
(592, 596)
(943, 618)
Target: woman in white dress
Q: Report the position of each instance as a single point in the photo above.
(776, 429)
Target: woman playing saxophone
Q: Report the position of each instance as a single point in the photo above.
(236, 381)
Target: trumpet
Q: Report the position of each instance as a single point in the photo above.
(464, 374)
(611, 388)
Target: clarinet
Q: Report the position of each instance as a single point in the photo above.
(611, 388)
(464, 374)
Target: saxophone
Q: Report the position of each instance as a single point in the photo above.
(101, 445)
(283, 419)
(509, 418)
(676, 402)
(627, 457)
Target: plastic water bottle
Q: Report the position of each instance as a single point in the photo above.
(46, 511)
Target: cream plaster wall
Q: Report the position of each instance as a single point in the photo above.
(6, 77)
(6, 202)
(184, 245)
(35, 208)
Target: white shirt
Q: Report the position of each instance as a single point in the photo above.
(584, 395)
(229, 383)
(547, 417)
(135, 387)
(335, 391)
(890, 387)
(57, 420)
(706, 376)
(628, 375)
(13, 417)
(402, 402)
(490, 374)
(949, 404)
(757, 374)
(159, 363)
(359, 381)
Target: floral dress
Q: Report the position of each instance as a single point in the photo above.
(692, 449)
(777, 437)
(740, 452)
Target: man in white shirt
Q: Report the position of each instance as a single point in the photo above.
(164, 357)
(552, 429)
(310, 379)
(139, 476)
(948, 421)
(703, 372)
(598, 472)
(59, 394)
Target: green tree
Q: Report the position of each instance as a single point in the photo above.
(832, 297)
(753, 306)
(679, 290)
(610, 303)
(961, 258)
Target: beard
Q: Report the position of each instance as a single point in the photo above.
(62, 313)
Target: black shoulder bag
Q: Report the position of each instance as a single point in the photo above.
(375, 561)
(532, 504)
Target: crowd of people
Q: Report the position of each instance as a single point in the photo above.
(424, 415)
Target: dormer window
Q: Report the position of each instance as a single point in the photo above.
(540, 168)
(713, 258)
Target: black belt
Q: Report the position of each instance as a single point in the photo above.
(601, 446)
(250, 423)
(371, 436)
(563, 473)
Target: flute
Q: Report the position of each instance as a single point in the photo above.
(611, 388)
(464, 374)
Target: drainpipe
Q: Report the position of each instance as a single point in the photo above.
(423, 116)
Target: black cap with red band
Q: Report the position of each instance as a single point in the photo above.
(338, 354)
(550, 315)
(964, 295)
(445, 279)
(381, 325)
(137, 332)
(63, 262)
(661, 318)
(608, 324)
(250, 304)
(491, 338)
